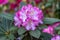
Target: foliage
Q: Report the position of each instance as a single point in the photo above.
(8, 31)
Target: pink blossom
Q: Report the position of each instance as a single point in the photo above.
(57, 37)
(49, 30)
(38, 1)
(56, 24)
(2, 2)
(29, 17)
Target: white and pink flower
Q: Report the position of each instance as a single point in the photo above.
(57, 37)
(29, 17)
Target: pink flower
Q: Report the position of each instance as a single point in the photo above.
(49, 30)
(38, 1)
(56, 24)
(18, 1)
(29, 17)
(13, 6)
(2, 2)
(57, 37)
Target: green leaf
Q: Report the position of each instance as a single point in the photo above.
(50, 20)
(2, 38)
(58, 32)
(13, 29)
(21, 31)
(11, 37)
(51, 1)
(7, 16)
(2, 35)
(46, 36)
(35, 33)
(5, 24)
(1, 9)
(33, 3)
(21, 37)
(40, 27)
(1, 30)
(22, 4)
(47, 5)
(57, 28)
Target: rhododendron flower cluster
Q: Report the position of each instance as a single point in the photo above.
(57, 37)
(29, 17)
(2, 2)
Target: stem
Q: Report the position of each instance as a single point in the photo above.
(31, 38)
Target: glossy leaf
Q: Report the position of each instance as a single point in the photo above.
(21, 31)
(11, 37)
(58, 32)
(46, 36)
(13, 29)
(35, 33)
(7, 16)
(50, 20)
(57, 28)
(47, 5)
(51, 1)
(3, 38)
